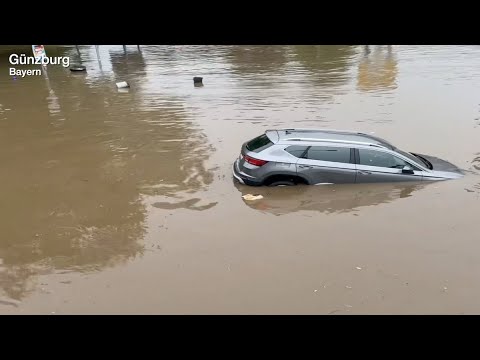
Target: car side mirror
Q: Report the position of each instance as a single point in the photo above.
(407, 169)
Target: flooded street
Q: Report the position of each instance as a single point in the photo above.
(122, 201)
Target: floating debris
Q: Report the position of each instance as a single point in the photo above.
(358, 268)
(122, 85)
(77, 68)
(251, 197)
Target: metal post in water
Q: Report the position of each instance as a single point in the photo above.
(125, 48)
(138, 47)
(79, 55)
(98, 57)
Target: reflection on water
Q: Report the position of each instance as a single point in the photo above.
(377, 70)
(258, 60)
(476, 162)
(329, 199)
(476, 165)
(328, 65)
(77, 158)
(191, 204)
(124, 63)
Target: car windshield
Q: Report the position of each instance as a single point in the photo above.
(412, 157)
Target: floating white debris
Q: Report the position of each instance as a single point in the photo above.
(358, 268)
(315, 290)
(348, 287)
(122, 84)
(251, 197)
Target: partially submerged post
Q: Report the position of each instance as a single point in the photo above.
(79, 57)
(98, 57)
(96, 50)
(198, 81)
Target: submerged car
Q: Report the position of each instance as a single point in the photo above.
(318, 156)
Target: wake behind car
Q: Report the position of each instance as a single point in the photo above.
(320, 156)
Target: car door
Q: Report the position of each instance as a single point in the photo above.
(380, 166)
(327, 165)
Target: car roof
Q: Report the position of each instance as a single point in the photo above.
(287, 136)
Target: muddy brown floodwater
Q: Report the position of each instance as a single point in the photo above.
(122, 201)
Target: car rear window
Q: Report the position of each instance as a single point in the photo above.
(329, 153)
(296, 151)
(258, 144)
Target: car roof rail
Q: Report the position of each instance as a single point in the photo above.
(337, 141)
(313, 130)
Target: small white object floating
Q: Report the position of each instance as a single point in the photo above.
(251, 197)
(122, 85)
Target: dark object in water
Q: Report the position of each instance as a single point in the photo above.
(77, 68)
(197, 80)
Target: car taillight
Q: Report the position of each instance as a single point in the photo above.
(253, 161)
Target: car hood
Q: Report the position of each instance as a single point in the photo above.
(441, 165)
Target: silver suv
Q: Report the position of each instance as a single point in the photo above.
(315, 157)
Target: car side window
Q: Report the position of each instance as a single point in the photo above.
(296, 150)
(380, 159)
(329, 153)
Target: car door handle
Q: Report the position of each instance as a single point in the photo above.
(363, 172)
(305, 166)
